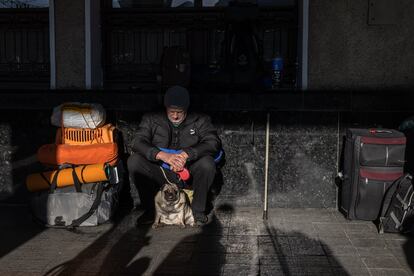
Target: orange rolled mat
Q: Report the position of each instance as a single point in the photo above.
(52, 154)
(86, 174)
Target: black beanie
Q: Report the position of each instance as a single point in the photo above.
(177, 96)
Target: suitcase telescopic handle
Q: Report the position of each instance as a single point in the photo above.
(374, 131)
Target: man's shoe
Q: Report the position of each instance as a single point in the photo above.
(200, 219)
(146, 218)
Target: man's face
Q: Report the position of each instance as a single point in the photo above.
(176, 115)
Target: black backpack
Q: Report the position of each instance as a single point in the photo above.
(242, 47)
(397, 214)
(175, 66)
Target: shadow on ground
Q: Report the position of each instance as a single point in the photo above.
(408, 247)
(232, 244)
(16, 228)
(109, 254)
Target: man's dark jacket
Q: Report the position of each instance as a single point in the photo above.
(195, 135)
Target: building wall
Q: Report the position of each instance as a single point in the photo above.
(306, 135)
(70, 43)
(346, 52)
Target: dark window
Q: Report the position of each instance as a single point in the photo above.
(217, 39)
(24, 48)
(193, 3)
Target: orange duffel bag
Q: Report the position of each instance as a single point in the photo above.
(86, 136)
(67, 177)
(52, 154)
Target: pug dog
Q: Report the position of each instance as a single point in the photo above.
(172, 207)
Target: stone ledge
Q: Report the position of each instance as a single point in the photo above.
(283, 100)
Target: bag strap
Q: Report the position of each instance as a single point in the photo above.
(53, 184)
(95, 204)
(76, 180)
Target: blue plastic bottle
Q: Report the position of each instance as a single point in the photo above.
(277, 72)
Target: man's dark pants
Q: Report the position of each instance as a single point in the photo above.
(148, 178)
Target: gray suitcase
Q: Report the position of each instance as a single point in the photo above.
(373, 160)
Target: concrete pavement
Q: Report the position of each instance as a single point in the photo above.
(237, 242)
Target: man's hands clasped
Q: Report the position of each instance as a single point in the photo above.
(175, 160)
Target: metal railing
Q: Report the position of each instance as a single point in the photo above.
(24, 47)
(134, 41)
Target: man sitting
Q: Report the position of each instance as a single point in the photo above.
(174, 129)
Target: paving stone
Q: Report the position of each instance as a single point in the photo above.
(247, 213)
(242, 238)
(370, 234)
(208, 258)
(175, 256)
(280, 230)
(314, 270)
(348, 265)
(246, 247)
(405, 261)
(213, 230)
(388, 272)
(217, 246)
(337, 246)
(164, 233)
(398, 252)
(24, 265)
(395, 243)
(326, 218)
(265, 238)
(204, 269)
(368, 230)
(373, 251)
(353, 271)
(296, 229)
(172, 270)
(243, 230)
(310, 261)
(240, 270)
(338, 250)
(303, 265)
(339, 217)
(305, 246)
(222, 220)
(270, 270)
(234, 258)
(368, 243)
(346, 261)
(332, 241)
(395, 236)
(330, 230)
(263, 229)
(274, 245)
(275, 218)
(158, 261)
(381, 262)
(359, 226)
(276, 259)
(275, 249)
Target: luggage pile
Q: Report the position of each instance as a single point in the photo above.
(374, 185)
(81, 184)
